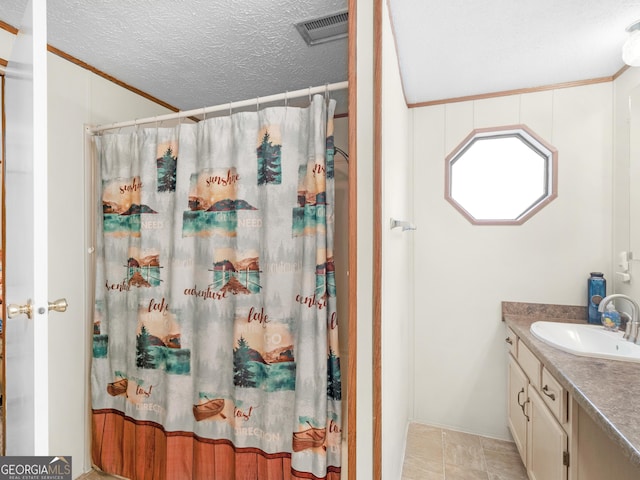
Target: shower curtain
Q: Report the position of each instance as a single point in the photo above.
(215, 348)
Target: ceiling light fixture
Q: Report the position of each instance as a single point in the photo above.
(631, 48)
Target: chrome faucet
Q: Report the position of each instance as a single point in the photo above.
(633, 325)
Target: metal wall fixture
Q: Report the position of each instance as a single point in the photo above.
(402, 224)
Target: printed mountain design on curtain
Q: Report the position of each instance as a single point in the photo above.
(326, 279)
(158, 344)
(236, 275)
(213, 204)
(143, 269)
(309, 217)
(100, 340)
(121, 206)
(269, 161)
(166, 164)
(270, 371)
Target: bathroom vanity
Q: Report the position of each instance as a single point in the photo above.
(571, 417)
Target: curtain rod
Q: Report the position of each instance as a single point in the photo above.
(329, 87)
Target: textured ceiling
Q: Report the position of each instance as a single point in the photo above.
(196, 53)
(456, 48)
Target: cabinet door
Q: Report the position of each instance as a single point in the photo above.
(518, 395)
(546, 442)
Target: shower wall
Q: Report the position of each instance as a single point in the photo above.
(341, 254)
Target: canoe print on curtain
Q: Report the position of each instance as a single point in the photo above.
(215, 352)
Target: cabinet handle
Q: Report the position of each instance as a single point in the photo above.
(523, 412)
(508, 340)
(518, 399)
(545, 390)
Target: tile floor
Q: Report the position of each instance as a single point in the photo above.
(437, 454)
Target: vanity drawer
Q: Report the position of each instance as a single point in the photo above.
(512, 342)
(530, 364)
(554, 396)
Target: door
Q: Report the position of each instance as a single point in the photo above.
(26, 271)
(546, 443)
(517, 391)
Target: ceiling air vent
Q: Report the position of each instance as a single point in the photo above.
(324, 29)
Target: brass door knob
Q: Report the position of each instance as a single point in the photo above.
(14, 310)
(59, 305)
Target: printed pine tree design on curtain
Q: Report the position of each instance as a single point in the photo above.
(269, 158)
(242, 374)
(166, 164)
(144, 358)
(334, 377)
(330, 156)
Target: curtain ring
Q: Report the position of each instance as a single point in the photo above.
(326, 92)
(309, 94)
(230, 111)
(257, 103)
(204, 114)
(286, 98)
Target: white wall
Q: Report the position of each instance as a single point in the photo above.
(341, 255)
(6, 44)
(76, 97)
(364, 250)
(463, 272)
(397, 260)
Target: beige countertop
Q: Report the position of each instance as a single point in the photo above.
(608, 390)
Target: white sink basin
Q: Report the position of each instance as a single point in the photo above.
(586, 340)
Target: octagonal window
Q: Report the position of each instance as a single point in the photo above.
(501, 176)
